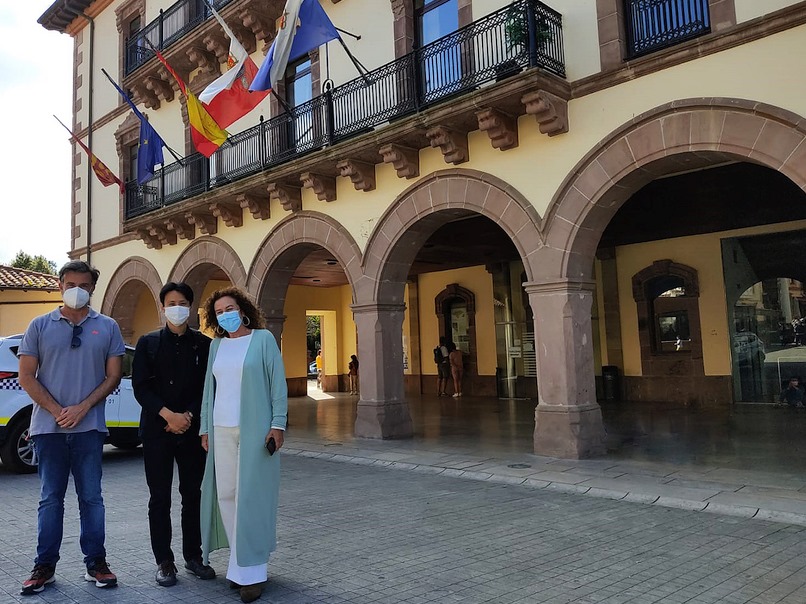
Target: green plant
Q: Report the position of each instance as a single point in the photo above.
(516, 29)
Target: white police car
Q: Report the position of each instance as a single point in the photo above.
(16, 451)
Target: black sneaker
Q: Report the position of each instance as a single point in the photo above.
(166, 574)
(198, 568)
(40, 576)
(101, 575)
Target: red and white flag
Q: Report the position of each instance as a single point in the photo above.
(228, 98)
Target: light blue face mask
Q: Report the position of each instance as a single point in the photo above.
(230, 320)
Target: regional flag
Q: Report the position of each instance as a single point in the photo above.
(206, 134)
(149, 153)
(304, 26)
(228, 99)
(104, 174)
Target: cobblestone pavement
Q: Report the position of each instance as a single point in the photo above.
(360, 534)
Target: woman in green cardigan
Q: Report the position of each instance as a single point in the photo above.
(243, 419)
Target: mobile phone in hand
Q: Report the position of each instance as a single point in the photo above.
(271, 445)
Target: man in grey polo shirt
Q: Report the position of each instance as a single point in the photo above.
(70, 361)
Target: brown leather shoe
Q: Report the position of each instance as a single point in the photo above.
(250, 593)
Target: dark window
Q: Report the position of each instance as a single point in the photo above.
(440, 64)
(131, 166)
(435, 18)
(655, 24)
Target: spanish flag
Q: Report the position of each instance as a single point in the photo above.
(207, 135)
(104, 174)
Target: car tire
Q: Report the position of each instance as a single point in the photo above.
(123, 442)
(17, 452)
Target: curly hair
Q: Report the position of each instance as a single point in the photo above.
(255, 317)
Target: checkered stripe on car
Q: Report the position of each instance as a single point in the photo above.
(12, 384)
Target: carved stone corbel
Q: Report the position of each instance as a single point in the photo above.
(452, 143)
(361, 174)
(550, 111)
(160, 87)
(500, 127)
(144, 94)
(289, 197)
(145, 236)
(207, 223)
(181, 226)
(228, 211)
(245, 36)
(324, 186)
(218, 44)
(257, 206)
(257, 20)
(404, 159)
(156, 235)
(203, 59)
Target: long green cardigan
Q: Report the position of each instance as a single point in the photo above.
(264, 403)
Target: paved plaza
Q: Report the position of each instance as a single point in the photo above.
(379, 531)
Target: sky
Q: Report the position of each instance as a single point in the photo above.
(36, 83)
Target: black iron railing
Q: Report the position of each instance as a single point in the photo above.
(656, 24)
(523, 34)
(171, 26)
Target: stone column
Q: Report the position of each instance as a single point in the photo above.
(275, 325)
(568, 420)
(382, 410)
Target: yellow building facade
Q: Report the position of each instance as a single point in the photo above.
(24, 295)
(583, 196)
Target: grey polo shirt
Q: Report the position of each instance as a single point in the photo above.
(71, 374)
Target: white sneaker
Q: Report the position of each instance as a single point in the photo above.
(456, 395)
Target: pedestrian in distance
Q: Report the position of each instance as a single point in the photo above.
(243, 419)
(70, 361)
(168, 380)
(441, 354)
(792, 395)
(319, 366)
(456, 361)
(352, 367)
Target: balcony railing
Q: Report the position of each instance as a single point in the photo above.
(524, 34)
(656, 24)
(170, 27)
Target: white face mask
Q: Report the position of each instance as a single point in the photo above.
(75, 297)
(177, 315)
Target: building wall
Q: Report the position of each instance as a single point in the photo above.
(18, 308)
(750, 9)
(703, 253)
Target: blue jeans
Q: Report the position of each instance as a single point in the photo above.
(60, 455)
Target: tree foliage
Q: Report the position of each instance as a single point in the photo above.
(40, 264)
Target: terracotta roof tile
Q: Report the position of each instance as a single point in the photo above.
(18, 278)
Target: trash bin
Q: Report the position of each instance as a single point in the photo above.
(610, 383)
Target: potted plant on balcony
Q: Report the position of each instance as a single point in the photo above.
(516, 32)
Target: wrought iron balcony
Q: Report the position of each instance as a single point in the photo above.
(524, 34)
(656, 24)
(170, 27)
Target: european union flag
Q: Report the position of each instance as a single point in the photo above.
(149, 152)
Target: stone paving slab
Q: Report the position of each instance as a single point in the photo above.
(363, 534)
(755, 494)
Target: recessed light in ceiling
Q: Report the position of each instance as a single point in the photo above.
(332, 262)
(316, 280)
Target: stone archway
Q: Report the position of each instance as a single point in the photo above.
(281, 252)
(124, 290)
(200, 261)
(379, 307)
(681, 135)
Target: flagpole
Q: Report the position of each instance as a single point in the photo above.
(362, 71)
(171, 151)
(344, 31)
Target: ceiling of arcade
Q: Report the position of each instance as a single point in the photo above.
(457, 244)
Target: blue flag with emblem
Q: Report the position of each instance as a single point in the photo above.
(304, 26)
(149, 151)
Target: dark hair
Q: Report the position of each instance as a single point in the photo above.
(248, 310)
(79, 266)
(451, 346)
(355, 360)
(182, 288)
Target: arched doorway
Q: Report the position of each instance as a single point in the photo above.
(132, 298)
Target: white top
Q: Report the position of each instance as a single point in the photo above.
(227, 370)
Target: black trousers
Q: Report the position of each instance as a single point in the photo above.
(160, 451)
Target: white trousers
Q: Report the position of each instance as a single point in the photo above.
(227, 455)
